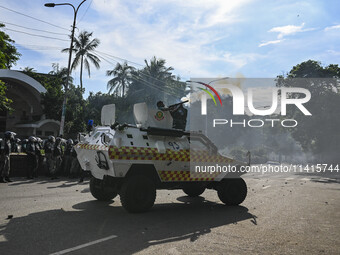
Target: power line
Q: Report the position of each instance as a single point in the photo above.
(32, 28)
(22, 48)
(121, 59)
(84, 13)
(36, 45)
(113, 58)
(151, 85)
(37, 49)
(144, 74)
(136, 78)
(43, 36)
(32, 17)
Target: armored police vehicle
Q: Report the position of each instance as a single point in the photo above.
(133, 161)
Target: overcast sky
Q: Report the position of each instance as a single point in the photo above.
(214, 38)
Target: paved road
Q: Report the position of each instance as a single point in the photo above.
(296, 214)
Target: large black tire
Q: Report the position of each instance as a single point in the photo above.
(138, 194)
(100, 192)
(232, 191)
(193, 190)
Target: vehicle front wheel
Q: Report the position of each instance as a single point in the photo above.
(193, 190)
(100, 192)
(232, 191)
(138, 194)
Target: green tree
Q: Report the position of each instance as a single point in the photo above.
(8, 53)
(94, 104)
(52, 99)
(61, 73)
(122, 78)
(75, 112)
(8, 57)
(5, 103)
(317, 134)
(157, 70)
(83, 48)
(29, 70)
(156, 82)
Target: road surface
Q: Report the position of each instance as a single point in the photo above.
(295, 214)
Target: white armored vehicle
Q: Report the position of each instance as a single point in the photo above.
(136, 160)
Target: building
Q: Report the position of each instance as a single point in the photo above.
(27, 118)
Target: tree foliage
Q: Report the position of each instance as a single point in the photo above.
(52, 100)
(83, 48)
(8, 57)
(319, 133)
(8, 53)
(155, 82)
(5, 103)
(122, 78)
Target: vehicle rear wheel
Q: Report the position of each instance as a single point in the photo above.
(232, 191)
(138, 194)
(100, 192)
(193, 190)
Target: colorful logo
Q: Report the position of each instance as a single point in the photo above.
(159, 115)
(209, 93)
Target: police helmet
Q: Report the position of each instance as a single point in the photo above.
(9, 135)
(32, 139)
(51, 138)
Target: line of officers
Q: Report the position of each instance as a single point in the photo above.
(60, 156)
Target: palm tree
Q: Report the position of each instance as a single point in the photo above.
(83, 48)
(157, 69)
(28, 69)
(161, 79)
(61, 73)
(122, 77)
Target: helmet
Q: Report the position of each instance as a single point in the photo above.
(69, 142)
(39, 140)
(160, 104)
(32, 139)
(58, 140)
(17, 140)
(51, 138)
(9, 135)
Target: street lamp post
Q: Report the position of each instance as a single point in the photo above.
(63, 112)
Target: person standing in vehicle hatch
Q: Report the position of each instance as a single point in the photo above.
(178, 114)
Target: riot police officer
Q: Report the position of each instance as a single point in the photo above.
(6, 149)
(49, 148)
(57, 157)
(31, 151)
(17, 145)
(68, 157)
(75, 166)
(24, 144)
(38, 156)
